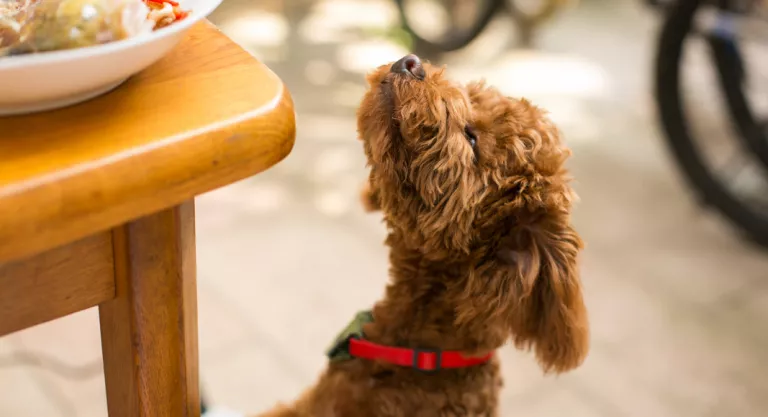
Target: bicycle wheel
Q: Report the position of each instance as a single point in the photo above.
(742, 206)
(446, 26)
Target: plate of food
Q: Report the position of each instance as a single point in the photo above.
(55, 53)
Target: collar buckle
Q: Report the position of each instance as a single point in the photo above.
(427, 360)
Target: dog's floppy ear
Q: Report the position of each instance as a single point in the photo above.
(369, 196)
(548, 312)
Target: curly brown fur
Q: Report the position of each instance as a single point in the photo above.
(482, 248)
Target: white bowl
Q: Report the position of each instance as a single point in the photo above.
(50, 80)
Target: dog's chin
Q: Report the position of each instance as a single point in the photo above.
(387, 98)
(387, 103)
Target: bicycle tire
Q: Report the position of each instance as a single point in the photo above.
(731, 76)
(454, 41)
(675, 29)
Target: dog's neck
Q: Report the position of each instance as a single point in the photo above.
(420, 304)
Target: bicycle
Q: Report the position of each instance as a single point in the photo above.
(469, 18)
(722, 24)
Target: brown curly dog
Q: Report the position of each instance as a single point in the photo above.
(476, 200)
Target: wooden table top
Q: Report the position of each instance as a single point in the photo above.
(205, 116)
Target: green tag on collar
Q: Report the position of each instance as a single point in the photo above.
(339, 350)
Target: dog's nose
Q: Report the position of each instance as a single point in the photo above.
(411, 65)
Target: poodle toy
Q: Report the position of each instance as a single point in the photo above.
(476, 200)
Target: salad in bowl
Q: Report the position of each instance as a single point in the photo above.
(55, 53)
(29, 26)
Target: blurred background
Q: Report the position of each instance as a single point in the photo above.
(676, 279)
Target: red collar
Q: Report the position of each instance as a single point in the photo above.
(428, 360)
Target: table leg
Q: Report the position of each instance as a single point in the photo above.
(149, 331)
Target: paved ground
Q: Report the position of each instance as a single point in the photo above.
(679, 305)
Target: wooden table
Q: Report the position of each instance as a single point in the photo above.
(97, 209)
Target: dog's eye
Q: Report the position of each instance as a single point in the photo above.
(471, 136)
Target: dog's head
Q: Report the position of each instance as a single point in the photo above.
(464, 173)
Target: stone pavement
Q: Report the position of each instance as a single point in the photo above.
(678, 303)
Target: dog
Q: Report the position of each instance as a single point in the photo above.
(477, 202)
